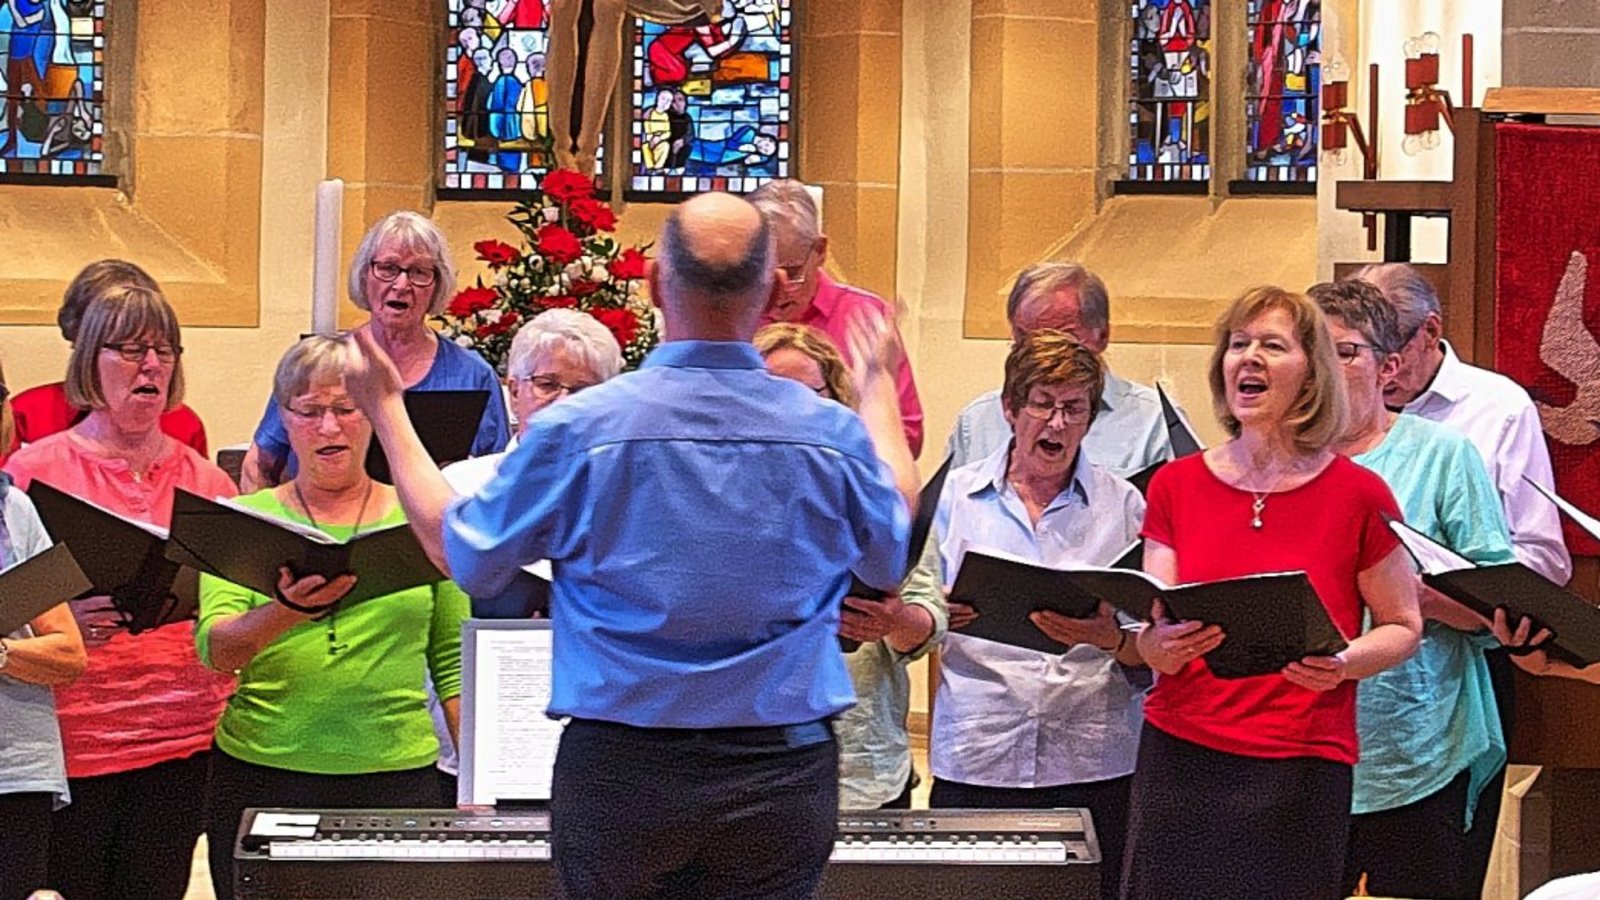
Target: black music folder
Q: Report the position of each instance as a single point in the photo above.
(1574, 622)
(921, 529)
(38, 584)
(1270, 620)
(123, 559)
(446, 421)
(1180, 437)
(246, 546)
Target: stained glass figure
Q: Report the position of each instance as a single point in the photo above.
(52, 88)
(1282, 90)
(712, 103)
(1170, 110)
(497, 102)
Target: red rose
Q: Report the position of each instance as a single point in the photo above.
(507, 321)
(470, 300)
(495, 253)
(627, 266)
(594, 214)
(561, 302)
(566, 185)
(583, 287)
(558, 245)
(624, 325)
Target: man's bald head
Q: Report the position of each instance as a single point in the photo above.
(715, 267)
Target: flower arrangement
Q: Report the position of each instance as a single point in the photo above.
(569, 260)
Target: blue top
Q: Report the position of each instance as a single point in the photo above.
(702, 518)
(30, 738)
(1424, 721)
(455, 368)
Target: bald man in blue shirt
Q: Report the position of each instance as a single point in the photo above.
(703, 519)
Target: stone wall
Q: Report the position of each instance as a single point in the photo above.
(1552, 43)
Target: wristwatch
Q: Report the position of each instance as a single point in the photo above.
(5, 653)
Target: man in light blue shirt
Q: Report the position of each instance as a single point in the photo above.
(1129, 433)
(702, 518)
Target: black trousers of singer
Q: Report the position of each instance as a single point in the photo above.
(1424, 849)
(704, 814)
(24, 842)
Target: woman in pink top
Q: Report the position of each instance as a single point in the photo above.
(137, 726)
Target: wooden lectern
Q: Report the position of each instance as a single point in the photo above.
(1557, 722)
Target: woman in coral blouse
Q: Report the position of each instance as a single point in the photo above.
(137, 725)
(1242, 786)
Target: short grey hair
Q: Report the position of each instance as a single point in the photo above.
(315, 360)
(1412, 295)
(1046, 278)
(414, 233)
(788, 205)
(581, 334)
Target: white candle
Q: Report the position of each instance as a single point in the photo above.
(325, 260)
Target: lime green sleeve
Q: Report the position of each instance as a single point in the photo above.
(451, 607)
(218, 600)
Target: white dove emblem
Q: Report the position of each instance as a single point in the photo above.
(1570, 350)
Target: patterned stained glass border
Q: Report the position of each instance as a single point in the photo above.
(497, 100)
(52, 88)
(712, 104)
(1169, 116)
(1282, 90)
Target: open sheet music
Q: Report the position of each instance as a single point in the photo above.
(446, 422)
(38, 584)
(508, 745)
(1180, 437)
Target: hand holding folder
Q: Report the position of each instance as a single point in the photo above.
(921, 528)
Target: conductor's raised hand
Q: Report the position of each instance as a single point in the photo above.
(1169, 646)
(1317, 673)
(1099, 630)
(370, 377)
(312, 595)
(871, 347)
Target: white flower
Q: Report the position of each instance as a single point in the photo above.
(553, 290)
(489, 316)
(464, 341)
(574, 270)
(501, 280)
(551, 213)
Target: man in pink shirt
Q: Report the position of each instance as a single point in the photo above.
(810, 297)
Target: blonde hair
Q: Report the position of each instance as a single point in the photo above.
(412, 233)
(1051, 356)
(117, 316)
(314, 360)
(1318, 415)
(816, 346)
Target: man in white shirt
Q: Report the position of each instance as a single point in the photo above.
(1129, 434)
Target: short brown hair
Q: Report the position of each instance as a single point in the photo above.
(97, 279)
(815, 345)
(1318, 414)
(125, 314)
(1051, 356)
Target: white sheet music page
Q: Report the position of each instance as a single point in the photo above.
(509, 751)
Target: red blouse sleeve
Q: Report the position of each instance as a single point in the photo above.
(1158, 506)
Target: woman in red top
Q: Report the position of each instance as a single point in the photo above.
(42, 411)
(137, 726)
(1242, 788)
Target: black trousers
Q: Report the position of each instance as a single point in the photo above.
(237, 785)
(1107, 802)
(24, 843)
(1422, 849)
(131, 834)
(666, 813)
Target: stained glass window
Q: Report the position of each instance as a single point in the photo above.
(52, 87)
(497, 101)
(712, 102)
(1170, 110)
(1282, 89)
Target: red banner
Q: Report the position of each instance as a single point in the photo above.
(1547, 299)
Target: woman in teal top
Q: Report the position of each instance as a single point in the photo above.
(330, 709)
(1427, 787)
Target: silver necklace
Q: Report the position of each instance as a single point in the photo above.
(1256, 508)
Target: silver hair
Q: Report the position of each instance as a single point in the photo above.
(1412, 295)
(789, 206)
(315, 360)
(1043, 279)
(414, 233)
(582, 335)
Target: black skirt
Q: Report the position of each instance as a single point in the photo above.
(1207, 824)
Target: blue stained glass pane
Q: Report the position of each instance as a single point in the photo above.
(52, 92)
(1282, 90)
(1169, 116)
(496, 97)
(711, 101)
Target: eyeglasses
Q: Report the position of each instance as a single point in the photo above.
(418, 276)
(548, 386)
(1072, 413)
(1349, 350)
(317, 412)
(795, 273)
(134, 351)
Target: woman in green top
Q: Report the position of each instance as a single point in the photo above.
(330, 709)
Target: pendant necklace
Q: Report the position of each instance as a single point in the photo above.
(1256, 508)
(334, 647)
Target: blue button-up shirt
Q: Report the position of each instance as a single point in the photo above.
(702, 518)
